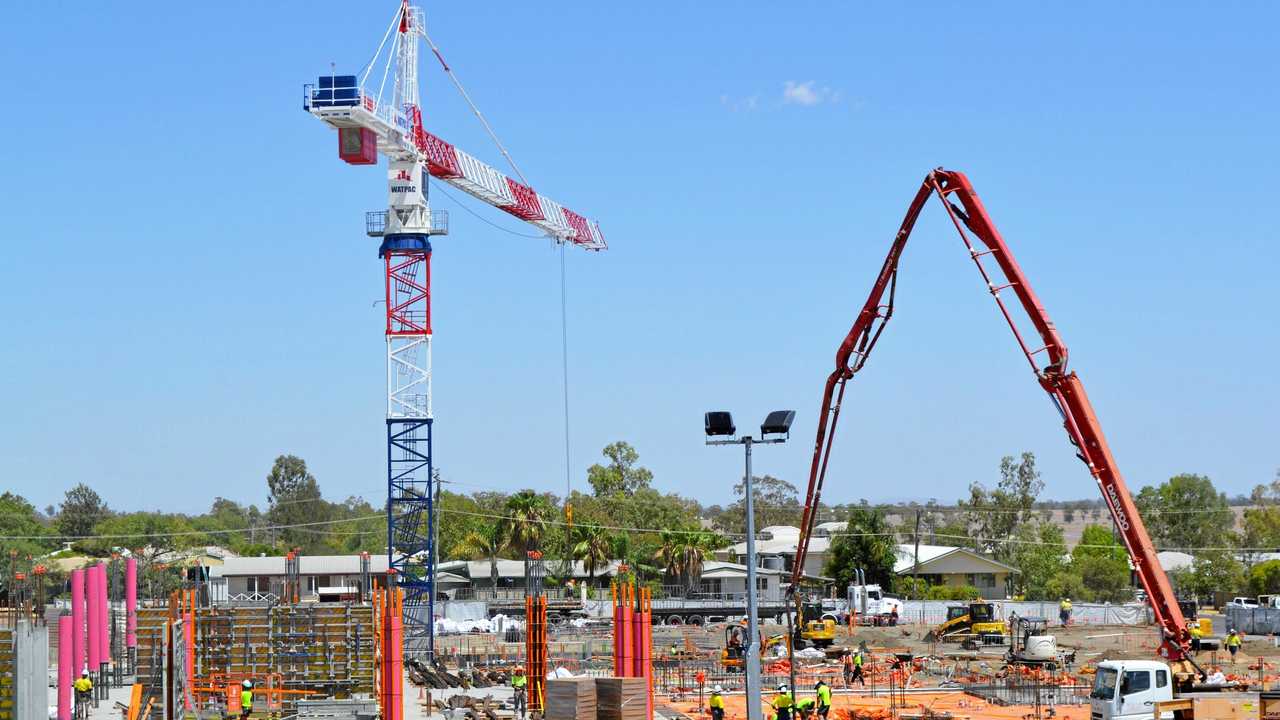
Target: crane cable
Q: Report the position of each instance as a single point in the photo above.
(564, 315)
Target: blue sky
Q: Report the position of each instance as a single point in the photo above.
(187, 290)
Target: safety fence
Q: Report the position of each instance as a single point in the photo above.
(932, 612)
(1254, 621)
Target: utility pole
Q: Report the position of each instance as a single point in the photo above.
(915, 569)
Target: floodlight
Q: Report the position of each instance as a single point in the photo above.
(778, 422)
(719, 422)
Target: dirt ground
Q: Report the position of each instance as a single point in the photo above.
(847, 707)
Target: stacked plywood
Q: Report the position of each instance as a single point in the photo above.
(622, 699)
(571, 699)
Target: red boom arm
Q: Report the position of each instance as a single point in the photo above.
(973, 223)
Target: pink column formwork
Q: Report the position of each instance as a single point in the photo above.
(66, 666)
(131, 602)
(93, 617)
(104, 641)
(77, 621)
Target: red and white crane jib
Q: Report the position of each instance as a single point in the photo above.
(362, 127)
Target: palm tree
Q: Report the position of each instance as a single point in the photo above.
(592, 549)
(669, 554)
(486, 541)
(526, 520)
(694, 550)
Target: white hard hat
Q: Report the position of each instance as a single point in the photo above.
(84, 673)
(717, 689)
(782, 688)
(247, 683)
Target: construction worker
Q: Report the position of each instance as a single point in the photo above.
(84, 692)
(716, 703)
(518, 684)
(782, 704)
(1064, 611)
(824, 698)
(804, 708)
(246, 699)
(1233, 644)
(1193, 629)
(857, 669)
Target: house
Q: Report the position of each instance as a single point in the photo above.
(473, 580)
(955, 566)
(776, 548)
(255, 579)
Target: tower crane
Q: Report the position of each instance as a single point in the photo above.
(375, 120)
(1048, 362)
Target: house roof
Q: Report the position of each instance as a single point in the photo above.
(930, 554)
(1174, 560)
(712, 569)
(783, 540)
(307, 565)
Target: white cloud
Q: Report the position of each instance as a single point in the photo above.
(807, 93)
(746, 104)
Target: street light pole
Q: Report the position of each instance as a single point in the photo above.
(778, 425)
(753, 689)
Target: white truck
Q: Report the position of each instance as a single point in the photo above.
(1130, 690)
(871, 604)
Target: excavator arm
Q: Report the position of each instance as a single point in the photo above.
(1047, 356)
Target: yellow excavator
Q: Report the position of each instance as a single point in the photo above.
(734, 653)
(815, 629)
(975, 620)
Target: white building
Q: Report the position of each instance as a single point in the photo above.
(262, 578)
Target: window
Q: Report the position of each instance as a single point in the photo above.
(1135, 681)
(323, 581)
(1162, 678)
(980, 580)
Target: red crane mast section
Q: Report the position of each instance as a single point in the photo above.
(1048, 362)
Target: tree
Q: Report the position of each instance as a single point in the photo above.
(621, 475)
(776, 502)
(1213, 571)
(1186, 513)
(1264, 578)
(592, 548)
(82, 508)
(485, 540)
(526, 520)
(295, 500)
(1261, 523)
(867, 543)
(1039, 553)
(21, 528)
(996, 514)
(1067, 584)
(1099, 541)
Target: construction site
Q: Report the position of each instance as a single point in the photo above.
(722, 617)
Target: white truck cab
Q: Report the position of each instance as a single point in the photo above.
(870, 601)
(1129, 690)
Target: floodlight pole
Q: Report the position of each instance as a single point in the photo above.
(753, 689)
(753, 692)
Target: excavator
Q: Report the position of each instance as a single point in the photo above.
(1047, 356)
(734, 653)
(975, 621)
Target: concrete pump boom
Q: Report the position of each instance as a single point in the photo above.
(1048, 362)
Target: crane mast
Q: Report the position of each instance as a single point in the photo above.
(368, 127)
(1048, 360)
